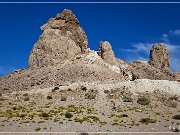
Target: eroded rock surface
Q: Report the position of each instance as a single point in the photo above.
(106, 52)
(159, 57)
(62, 39)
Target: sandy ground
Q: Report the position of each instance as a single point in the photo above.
(95, 108)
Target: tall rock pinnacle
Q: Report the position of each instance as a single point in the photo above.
(62, 39)
(159, 57)
(106, 52)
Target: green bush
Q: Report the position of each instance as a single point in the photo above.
(148, 120)
(143, 101)
(127, 99)
(25, 94)
(68, 115)
(37, 129)
(43, 114)
(63, 98)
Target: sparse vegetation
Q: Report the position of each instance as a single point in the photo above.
(68, 115)
(63, 98)
(127, 99)
(37, 129)
(106, 91)
(148, 120)
(90, 94)
(43, 114)
(83, 88)
(25, 94)
(26, 99)
(49, 97)
(143, 100)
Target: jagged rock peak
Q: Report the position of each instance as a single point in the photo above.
(159, 57)
(68, 16)
(62, 39)
(106, 52)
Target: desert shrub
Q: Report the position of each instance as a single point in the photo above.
(106, 91)
(26, 99)
(14, 108)
(43, 114)
(84, 134)
(143, 100)
(63, 98)
(148, 120)
(0, 94)
(49, 97)
(176, 117)
(173, 104)
(174, 98)
(68, 115)
(90, 94)
(54, 89)
(37, 129)
(127, 99)
(124, 115)
(83, 88)
(25, 94)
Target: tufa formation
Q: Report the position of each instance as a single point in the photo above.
(62, 39)
(106, 52)
(159, 57)
(61, 56)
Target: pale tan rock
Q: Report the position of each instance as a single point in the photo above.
(62, 39)
(106, 52)
(159, 57)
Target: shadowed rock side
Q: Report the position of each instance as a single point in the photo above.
(62, 39)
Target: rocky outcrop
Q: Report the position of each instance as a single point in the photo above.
(62, 39)
(106, 52)
(159, 57)
(61, 56)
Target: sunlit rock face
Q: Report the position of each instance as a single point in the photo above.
(62, 39)
(159, 57)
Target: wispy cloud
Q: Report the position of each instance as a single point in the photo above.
(138, 47)
(140, 51)
(5, 70)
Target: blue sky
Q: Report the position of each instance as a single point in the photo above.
(130, 28)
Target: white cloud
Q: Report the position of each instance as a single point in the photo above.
(138, 47)
(175, 32)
